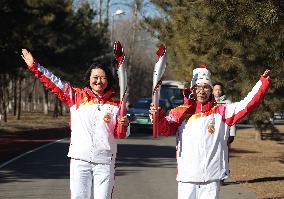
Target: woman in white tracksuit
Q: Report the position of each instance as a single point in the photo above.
(201, 127)
(94, 123)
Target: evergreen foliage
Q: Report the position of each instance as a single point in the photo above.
(237, 39)
(61, 38)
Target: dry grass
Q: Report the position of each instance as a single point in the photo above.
(259, 164)
(32, 121)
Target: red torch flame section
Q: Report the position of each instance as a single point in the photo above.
(161, 51)
(119, 53)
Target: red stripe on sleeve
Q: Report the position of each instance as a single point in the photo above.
(253, 104)
(50, 85)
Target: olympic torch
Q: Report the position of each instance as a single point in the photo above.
(122, 76)
(159, 70)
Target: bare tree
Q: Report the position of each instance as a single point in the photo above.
(3, 97)
(14, 79)
(140, 49)
(19, 98)
(45, 100)
(56, 107)
(100, 11)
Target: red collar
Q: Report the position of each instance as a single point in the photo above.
(106, 96)
(205, 107)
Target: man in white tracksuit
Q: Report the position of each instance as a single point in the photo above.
(201, 127)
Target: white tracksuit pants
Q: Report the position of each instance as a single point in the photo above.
(198, 190)
(91, 180)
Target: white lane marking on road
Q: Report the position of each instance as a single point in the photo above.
(28, 152)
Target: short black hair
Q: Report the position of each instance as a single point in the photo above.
(222, 86)
(109, 76)
(219, 84)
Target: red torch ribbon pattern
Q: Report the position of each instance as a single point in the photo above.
(122, 76)
(159, 70)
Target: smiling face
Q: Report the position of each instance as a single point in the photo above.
(98, 81)
(202, 92)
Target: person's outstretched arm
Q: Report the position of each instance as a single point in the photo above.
(168, 125)
(236, 111)
(62, 89)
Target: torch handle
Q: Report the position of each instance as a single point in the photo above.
(155, 101)
(122, 112)
(155, 125)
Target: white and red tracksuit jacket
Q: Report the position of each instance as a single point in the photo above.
(93, 121)
(202, 133)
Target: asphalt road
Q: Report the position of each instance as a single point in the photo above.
(146, 168)
(40, 174)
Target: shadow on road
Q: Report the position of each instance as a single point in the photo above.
(234, 152)
(48, 163)
(265, 179)
(138, 156)
(16, 143)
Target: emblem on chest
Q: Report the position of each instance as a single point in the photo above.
(211, 125)
(107, 118)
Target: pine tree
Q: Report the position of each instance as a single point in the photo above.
(236, 39)
(62, 39)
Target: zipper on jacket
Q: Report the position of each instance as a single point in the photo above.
(203, 147)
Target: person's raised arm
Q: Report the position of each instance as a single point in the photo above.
(62, 89)
(236, 111)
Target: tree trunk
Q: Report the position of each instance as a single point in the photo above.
(20, 99)
(132, 45)
(4, 108)
(100, 12)
(31, 97)
(8, 90)
(3, 97)
(258, 135)
(56, 108)
(45, 101)
(15, 95)
(107, 12)
(60, 108)
(133, 36)
(24, 96)
(36, 97)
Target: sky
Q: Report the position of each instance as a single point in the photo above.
(126, 6)
(148, 10)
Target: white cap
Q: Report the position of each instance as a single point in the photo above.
(201, 75)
